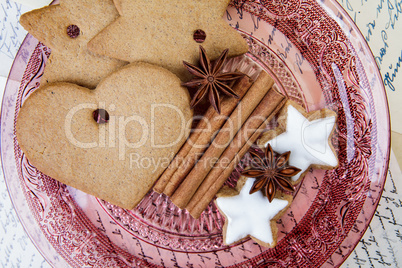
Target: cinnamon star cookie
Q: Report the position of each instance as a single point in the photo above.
(66, 28)
(250, 214)
(168, 32)
(307, 135)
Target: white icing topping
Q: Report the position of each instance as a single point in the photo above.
(249, 214)
(307, 140)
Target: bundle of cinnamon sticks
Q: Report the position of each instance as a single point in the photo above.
(215, 148)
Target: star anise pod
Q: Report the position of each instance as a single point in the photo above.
(210, 79)
(271, 172)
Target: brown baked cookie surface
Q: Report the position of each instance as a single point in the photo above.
(67, 28)
(167, 33)
(118, 157)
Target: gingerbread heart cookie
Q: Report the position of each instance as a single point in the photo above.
(167, 32)
(112, 142)
(67, 28)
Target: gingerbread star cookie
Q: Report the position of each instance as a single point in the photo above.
(66, 28)
(113, 141)
(169, 32)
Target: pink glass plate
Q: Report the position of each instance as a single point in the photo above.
(318, 59)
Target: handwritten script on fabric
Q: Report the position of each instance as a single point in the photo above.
(380, 23)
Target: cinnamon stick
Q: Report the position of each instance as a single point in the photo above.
(199, 140)
(190, 184)
(258, 121)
